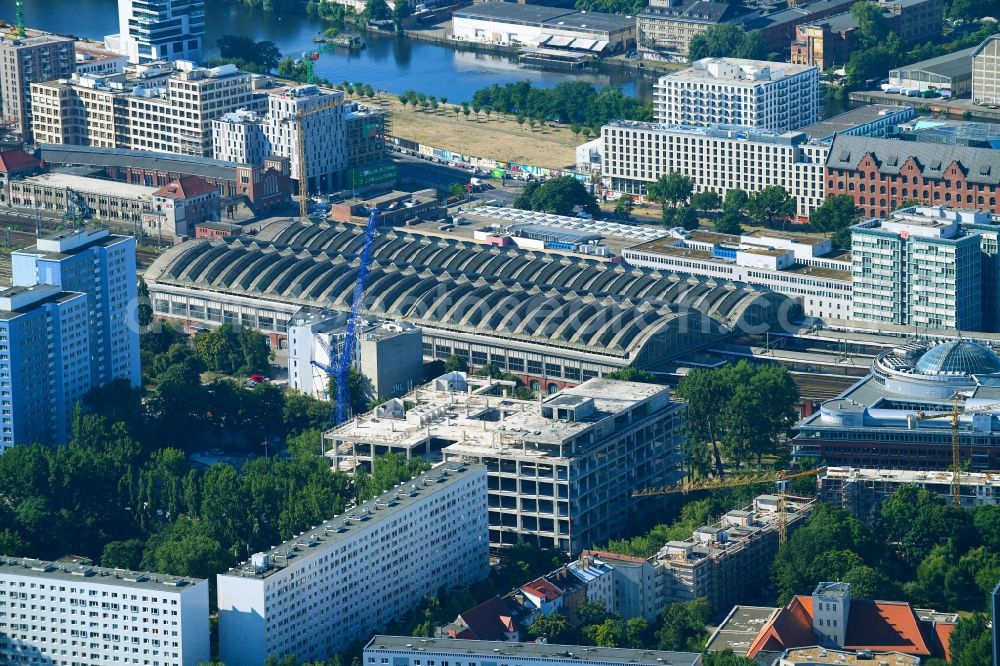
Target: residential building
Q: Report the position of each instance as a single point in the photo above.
(729, 560)
(389, 356)
(716, 158)
(830, 618)
(561, 471)
(304, 597)
(878, 422)
(665, 27)
(91, 59)
(133, 617)
(160, 108)
(407, 651)
(102, 266)
(36, 57)
(777, 97)
(803, 267)
(920, 267)
(951, 72)
(863, 490)
(164, 30)
(261, 188)
(880, 174)
(635, 591)
(511, 23)
(986, 72)
(915, 21)
(44, 364)
(777, 29)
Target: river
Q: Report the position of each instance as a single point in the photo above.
(388, 63)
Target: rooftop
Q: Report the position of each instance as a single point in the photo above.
(696, 11)
(909, 476)
(738, 630)
(736, 71)
(549, 652)
(982, 165)
(826, 129)
(32, 568)
(90, 185)
(819, 655)
(364, 516)
(717, 131)
(549, 17)
(950, 65)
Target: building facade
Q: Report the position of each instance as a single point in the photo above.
(717, 159)
(57, 613)
(406, 651)
(777, 97)
(163, 30)
(102, 266)
(312, 596)
(26, 60)
(986, 72)
(881, 174)
(44, 365)
(863, 490)
(561, 473)
(666, 27)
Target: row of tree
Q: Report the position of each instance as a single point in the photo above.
(570, 102)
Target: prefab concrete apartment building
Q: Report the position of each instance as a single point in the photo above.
(343, 580)
(74, 614)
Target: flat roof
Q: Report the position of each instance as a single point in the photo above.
(950, 65)
(85, 573)
(365, 515)
(849, 120)
(90, 185)
(699, 71)
(732, 132)
(908, 476)
(739, 629)
(546, 651)
(820, 655)
(549, 17)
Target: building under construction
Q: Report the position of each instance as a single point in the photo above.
(863, 490)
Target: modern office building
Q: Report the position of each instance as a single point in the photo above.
(61, 613)
(665, 27)
(881, 421)
(561, 471)
(777, 97)
(862, 490)
(804, 268)
(918, 268)
(881, 174)
(36, 57)
(717, 159)
(341, 581)
(408, 651)
(161, 30)
(102, 266)
(986, 72)
(158, 108)
(45, 340)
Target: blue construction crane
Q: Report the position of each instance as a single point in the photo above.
(341, 371)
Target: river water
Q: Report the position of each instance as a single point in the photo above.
(388, 63)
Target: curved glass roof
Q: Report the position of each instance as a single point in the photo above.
(959, 356)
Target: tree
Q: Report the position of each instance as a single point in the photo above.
(673, 188)
(400, 12)
(735, 201)
(624, 207)
(453, 363)
(123, 554)
(771, 205)
(456, 191)
(260, 57)
(555, 628)
(916, 520)
(561, 196)
(706, 201)
(307, 443)
(302, 412)
(873, 25)
(376, 10)
(683, 626)
(865, 64)
(520, 118)
(687, 217)
(144, 312)
(969, 10)
(631, 374)
(971, 641)
(727, 40)
(185, 549)
(233, 351)
(837, 214)
(728, 223)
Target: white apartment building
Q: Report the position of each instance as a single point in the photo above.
(800, 266)
(161, 30)
(779, 97)
(355, 573)
(561, 471)
(150, 108)
(409, 651)
(245, 138)
(63, 614)
(717, 159)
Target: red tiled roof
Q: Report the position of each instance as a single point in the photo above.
(790, 627)
(614, 556)
(491, 620)
(185, 187)
(542, 588)
(13, 161)
(885, 626)
(942, 640)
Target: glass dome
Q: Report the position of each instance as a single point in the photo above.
(959, 356)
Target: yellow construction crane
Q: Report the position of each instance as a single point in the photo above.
(300, 155)
(957, 409)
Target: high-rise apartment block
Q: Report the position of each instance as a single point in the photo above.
(76, 614)
(44, 363)
(339, 133)
(25, 60)
(159, 30)
(748, 93)
(924, 267)
(561, 472)
(150, 108)
(352, 575)
(102, 266)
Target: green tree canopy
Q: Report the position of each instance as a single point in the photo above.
(672, 188)
(770, 206)
(561, 196)
(727, 40)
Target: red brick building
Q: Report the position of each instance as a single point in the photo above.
(881, 174)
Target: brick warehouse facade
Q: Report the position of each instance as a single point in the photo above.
(881, 174)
